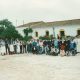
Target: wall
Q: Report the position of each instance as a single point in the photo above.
(20, 30)
(69, 29)
(42, 31)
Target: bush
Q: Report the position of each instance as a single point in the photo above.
(46, 37)
(27, 38)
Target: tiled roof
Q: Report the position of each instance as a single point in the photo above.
(55, 23)
(30, 24)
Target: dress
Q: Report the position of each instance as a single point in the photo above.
(62, 50)
(11, 48)
(78, 46)
(2, 49)
(18, 47)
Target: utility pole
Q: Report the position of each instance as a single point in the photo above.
(16, 22)
(53, 32)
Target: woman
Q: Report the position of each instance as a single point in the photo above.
(2, 48)
(11, 49)
(62, 52)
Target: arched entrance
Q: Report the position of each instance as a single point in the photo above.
(47, 33)
(78, 32)
(36, 34)
(62, 32)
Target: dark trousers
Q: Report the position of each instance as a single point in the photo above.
(20, 48)
(7, 49)
(24, 49)
(59, 50)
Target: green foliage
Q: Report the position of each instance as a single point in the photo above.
(27, 38)
(30, 30)
(6, 23)
(7, 30)
(1, 30)
(26, 32)
(46, 37)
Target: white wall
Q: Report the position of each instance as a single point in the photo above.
(20, 30)
(69, 29)
(42, 31)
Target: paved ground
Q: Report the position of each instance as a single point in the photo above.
(39, 67)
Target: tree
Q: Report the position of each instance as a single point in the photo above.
(46, 37)
(26, 32)
(27, 38)
(30, 30)
(1, 31)
(8, 30)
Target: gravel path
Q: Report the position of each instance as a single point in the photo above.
(39, 67)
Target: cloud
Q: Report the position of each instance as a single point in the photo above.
(33, 10)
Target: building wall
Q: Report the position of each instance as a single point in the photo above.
(70, 30)
(42, 31)
(20, 30)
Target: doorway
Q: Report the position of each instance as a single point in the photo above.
(62, 33)
(36, 34)
(47, 33)
(78, 32)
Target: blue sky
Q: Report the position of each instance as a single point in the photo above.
(39, 10)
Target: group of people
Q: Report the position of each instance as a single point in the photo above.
(12, 46)
(48, 47)
(53, 47)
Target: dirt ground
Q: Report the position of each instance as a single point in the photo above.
(39, 67)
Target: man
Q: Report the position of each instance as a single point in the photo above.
(73, 47)
(15, 46)
(24, 47)
(56, 45)
(34, 47)
(62, 52)
(7, 46)
(67, 47)
(59, 44)
(21, 46)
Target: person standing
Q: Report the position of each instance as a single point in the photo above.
(62, 52)
(29, 46)
(24, 47)
(45, 43)
(68, 47)
(7, 46)
(59, 44)
(15, 47)
(73, 48)
(20, 46)
(41, 46)
(2, 48)
(56, 45)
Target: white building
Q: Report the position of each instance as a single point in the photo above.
(67, 27)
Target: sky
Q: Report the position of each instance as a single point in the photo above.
(19, 11)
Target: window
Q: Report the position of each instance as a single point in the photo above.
(47, 33)
(62, 33)
(78, 32)
(36, 34)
